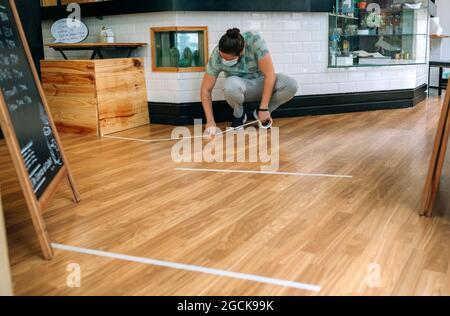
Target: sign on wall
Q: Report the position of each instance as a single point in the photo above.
(69, 31)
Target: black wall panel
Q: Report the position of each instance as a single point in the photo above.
(30, 15)
(141, 6)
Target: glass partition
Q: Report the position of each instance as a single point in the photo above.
(179, 49)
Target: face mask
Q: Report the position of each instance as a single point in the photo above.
(230, 63)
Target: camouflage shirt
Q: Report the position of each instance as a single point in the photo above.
(255, 49)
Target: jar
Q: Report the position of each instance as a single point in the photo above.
(106, 35)
(351, 30)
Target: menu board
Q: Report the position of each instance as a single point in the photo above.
(39, 148)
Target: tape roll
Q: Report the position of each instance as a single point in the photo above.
(267, 126)
(374, 7)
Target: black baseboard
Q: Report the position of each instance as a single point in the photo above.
(185, 113)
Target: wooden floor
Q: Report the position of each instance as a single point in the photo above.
(321, 231)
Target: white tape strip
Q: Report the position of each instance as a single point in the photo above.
(189, 267)
(151, 140)
(178, 138)
(298, 174)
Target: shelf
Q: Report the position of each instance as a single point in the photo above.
(343, 16)
(393, 62)
(95, 45)
(393, 10)
(389, 35)
(439, 36)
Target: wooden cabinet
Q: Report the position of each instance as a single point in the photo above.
(96, 96)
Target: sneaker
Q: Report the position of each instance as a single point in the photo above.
(239, 122)
(255, 114)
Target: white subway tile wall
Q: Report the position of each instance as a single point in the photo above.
(297, 41)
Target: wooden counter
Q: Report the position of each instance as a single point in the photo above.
(96, 96)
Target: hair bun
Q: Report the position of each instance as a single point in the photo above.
(233, 33)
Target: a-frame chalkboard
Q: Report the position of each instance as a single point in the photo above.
(437, 160)
(27, 125)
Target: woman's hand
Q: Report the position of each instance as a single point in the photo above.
(211, 129)
(264, 117)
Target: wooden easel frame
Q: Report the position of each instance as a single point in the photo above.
(35, 206)
(437, 160)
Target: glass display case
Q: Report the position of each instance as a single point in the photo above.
(378, 33)
(179, 49)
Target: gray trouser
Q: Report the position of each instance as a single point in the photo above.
(238, 90)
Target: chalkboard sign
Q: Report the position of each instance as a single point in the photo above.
(38, 146)
(438, 158)
(27, 124)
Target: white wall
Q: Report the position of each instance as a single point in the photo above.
(298, 43)
(440, 47)
(444, 15)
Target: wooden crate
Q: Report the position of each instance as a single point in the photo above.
(99, 97)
